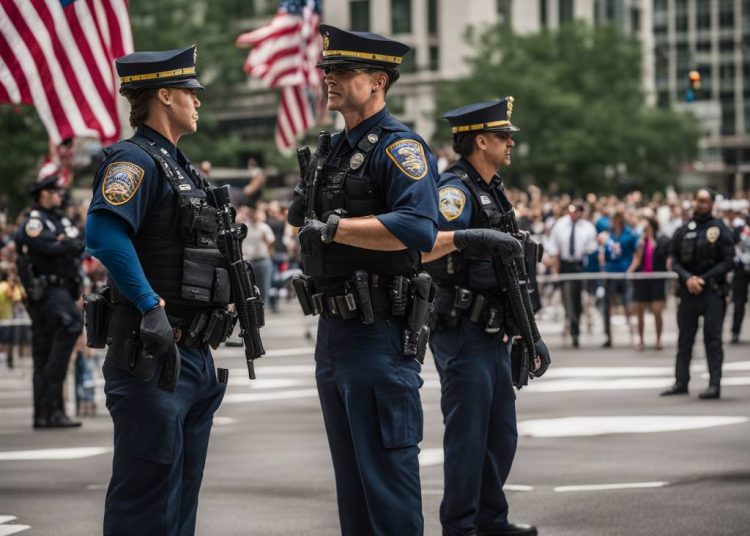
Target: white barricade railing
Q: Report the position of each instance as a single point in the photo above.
(594, 276)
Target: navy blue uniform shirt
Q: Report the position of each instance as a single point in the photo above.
(405, 172)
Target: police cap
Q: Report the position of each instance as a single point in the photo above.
(482, 116)
(47, 183)
(168, 68)
(364, 48)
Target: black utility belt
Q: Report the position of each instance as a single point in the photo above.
(476, 307)
(407, 298)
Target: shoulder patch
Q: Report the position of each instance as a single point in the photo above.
(409, 156)
(452, 202)
(33, 227)
(121, 182)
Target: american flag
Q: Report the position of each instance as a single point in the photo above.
(58, 56)
(284, 54)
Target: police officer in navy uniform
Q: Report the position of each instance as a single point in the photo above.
(150, 225)
(371, 209)
(702, 256)
(473, 361)
(49, 266)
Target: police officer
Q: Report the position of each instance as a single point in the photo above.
(702, 255)
(472, 359)
(367, 211)
(151, 227)
(49, 266)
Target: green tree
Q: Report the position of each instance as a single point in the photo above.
(24, 143)
(585, 124)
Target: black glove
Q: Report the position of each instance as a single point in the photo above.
(156, 332)
(310, 237)
(74, 246)
(543, 354)
(486, 243)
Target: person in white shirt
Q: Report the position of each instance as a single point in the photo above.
(571, 239)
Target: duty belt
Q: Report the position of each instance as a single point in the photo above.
(472, 305)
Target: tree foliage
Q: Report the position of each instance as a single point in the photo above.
(579, 101)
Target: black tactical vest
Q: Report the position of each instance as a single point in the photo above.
(346, 185)
(697, 251)
(180, 235)
(491, 210)
(67, 265)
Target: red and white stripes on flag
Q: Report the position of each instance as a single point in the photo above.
(59, 56)
(284, 54)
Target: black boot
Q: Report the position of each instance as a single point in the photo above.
(676, 389)
(713, 392)
(58, 419)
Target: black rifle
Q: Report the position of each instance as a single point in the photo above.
(245, 295)
(302, 207)
(512, 271)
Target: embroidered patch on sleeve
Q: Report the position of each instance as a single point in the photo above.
(452, 202)
(121, 182)
(33, 227)
(409, 156)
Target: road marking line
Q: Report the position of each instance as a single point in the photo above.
(429, 457)
(238, 398)
(7, 530)
(76, 453)
(608, 487)
(612, 424)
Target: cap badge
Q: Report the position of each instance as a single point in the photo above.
(326, 42)
(195, 54)
(510, 107)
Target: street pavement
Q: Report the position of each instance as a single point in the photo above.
(599, 453)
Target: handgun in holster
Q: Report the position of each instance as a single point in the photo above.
(303, 288)
(520, 363)
(416, 333)
(399, 295)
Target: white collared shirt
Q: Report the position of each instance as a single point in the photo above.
(558, 242)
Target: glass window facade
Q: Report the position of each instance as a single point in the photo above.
(400, 16)
(359, 15)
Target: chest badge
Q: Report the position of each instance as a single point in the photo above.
(372, 138)
(357, 160)
(712, 234)
(33, 228)
(452, 202)
(185, 188)
(691, 225)
(485, 200)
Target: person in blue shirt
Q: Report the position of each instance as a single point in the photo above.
(471, 353)
(619, 248)
(150, 225)
(366, 208)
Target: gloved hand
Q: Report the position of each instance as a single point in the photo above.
(74, 246)
(156, 332)
(310, 237)
(486, 243)
(542, 353)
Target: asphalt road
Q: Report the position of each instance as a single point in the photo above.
(599, 452)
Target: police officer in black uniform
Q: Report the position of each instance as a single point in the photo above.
(478, 401)
(367, 206)
(151, 226)
(49, 266)
(741, 280)
(702, 255)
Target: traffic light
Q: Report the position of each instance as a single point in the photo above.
(694, 81)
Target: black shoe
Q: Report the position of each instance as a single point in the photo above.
(575, 341)
(735, 338)
(58, 419)
(676, 389)
(510, 529)
(607, 344)
(40, 422)
(713, 392)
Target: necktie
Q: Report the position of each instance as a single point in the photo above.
(572, 248)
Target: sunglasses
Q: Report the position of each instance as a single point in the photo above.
(345, 69)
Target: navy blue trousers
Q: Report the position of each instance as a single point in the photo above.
(711, 306)
(369, 394)
(479, 413)
(161, 440)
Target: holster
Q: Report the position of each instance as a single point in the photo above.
(97, 308)
(125, 346)
(416, 333)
